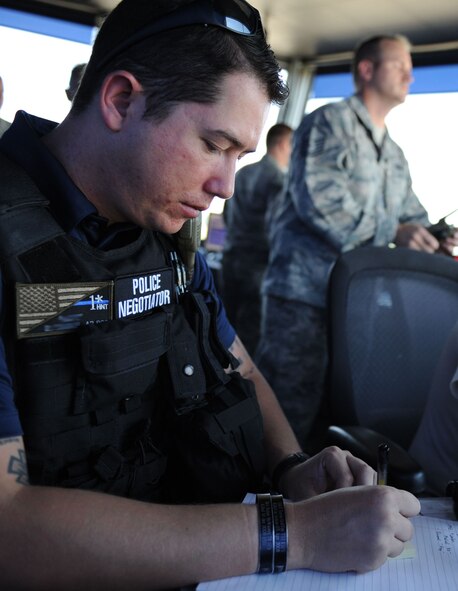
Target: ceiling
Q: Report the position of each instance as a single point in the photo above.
(313, 30)
(307, 28)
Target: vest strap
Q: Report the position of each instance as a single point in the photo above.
(45, 262)
(25, 220)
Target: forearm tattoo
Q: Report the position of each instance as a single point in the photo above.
(235, 350)
(17, 464)
(246, 367)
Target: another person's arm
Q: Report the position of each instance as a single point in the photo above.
(412, 231)
(417, 237)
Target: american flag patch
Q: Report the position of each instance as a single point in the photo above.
(55, 308)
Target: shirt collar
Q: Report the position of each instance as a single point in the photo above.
(360, 109)
(362, 113)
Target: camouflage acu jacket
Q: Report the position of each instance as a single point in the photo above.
(343, 191)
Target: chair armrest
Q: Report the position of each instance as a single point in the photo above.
(403, 471)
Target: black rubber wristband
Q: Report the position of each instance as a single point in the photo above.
(266, 534)
(280, 533)
(286, 464)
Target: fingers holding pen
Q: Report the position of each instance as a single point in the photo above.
(397, 507)
(402, 535)
(355, 528)
(409, 506)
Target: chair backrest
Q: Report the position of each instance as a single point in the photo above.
(390, 311)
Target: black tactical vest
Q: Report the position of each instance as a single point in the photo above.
(118, 377)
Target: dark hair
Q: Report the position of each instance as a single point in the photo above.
(276, 133)
(184, 64)
(370, 49)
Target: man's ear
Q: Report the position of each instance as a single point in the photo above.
(119, 93)
(366, 70)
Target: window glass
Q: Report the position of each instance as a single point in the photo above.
(38, 54)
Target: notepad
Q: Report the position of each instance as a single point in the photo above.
(433, 565)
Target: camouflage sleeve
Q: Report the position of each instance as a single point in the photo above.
(322, 194)
(342, 189)
(413, 210)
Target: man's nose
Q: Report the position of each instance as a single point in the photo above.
(408, 75)
(222, 184)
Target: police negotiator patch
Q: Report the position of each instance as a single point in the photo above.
(139, 294)
(57, 308)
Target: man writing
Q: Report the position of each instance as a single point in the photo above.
(139, 406)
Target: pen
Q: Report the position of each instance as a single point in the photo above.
(383, 451)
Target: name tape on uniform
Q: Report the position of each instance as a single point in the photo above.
(138, 294)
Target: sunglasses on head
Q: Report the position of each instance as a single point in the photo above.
(233, 15)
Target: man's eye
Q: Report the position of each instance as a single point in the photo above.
(211, 147)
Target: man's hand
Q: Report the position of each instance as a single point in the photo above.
(330, 469)
(350, 529)
(450, 243)
(416, 237)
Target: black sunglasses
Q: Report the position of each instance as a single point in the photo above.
(233, 15)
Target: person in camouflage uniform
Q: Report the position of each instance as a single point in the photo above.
(246, 248)
(349, 186)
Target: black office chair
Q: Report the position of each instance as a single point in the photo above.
(390, 312)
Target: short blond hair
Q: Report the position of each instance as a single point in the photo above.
(370, 49)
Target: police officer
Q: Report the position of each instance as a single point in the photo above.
(117, 400)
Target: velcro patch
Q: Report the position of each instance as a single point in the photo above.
(137, 295)
(57, 308)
